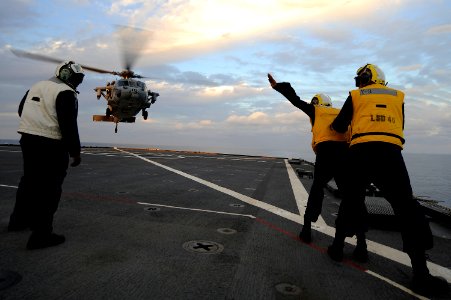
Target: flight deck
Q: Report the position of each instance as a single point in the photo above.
(156, 224)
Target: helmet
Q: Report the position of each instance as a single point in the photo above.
(321, 100)
(70, 73)
(369, 74)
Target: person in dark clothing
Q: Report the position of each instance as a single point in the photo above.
(330, 149)
(49, 136)
(375, 113)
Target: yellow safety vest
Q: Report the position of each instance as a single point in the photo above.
(377, 115)
(324, 116)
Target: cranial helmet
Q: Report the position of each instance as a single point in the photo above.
(321, 100)
(369, 73)
(70, 72)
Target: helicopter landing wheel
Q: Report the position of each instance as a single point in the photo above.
(145, 114)
(108, 112)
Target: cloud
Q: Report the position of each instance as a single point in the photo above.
(12, 16)
(184, 29)
(256, 118)
(441, 29)
(291, 118)
(273, 119)
(202, 124)
(208, 61)
(415, 67)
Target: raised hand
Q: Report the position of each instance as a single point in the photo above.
(271, 80)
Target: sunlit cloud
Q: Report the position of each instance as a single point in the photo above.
(415, 67)
(256, 118)
(216, 91)
(441, 29)
(295, 117)
(102, 45)
(149, 121)
(209, 59)
(184, 28)
(202, 124)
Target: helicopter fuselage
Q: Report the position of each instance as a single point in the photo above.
(126, 98)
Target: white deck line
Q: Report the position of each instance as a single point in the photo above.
(379, 249)
(246, 199)
(9, 186)
(301, 195)
(197, 209)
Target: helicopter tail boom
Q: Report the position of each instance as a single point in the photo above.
(103, 118)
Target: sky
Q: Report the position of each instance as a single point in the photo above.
(209, 62)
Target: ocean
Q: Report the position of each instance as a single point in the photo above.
(430, 174)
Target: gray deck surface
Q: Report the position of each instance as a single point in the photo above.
(139, 230)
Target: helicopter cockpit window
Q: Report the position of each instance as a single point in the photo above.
(141, 84)
(122, 83)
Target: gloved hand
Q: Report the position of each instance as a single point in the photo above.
(76, 160)
(272, 81)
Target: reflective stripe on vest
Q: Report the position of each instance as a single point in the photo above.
(377, 115)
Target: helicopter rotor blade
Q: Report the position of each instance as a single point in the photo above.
(21, 53)
(97, 70)
(132, 41)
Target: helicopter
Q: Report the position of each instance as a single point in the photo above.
(126, 96)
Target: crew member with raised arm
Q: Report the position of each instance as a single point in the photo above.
(330, 148)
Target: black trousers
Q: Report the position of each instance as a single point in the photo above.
(383, 164)
(45, 163)
(330, 163)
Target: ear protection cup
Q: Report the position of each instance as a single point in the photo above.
(65, 74)
(369, 74)
(365, 78)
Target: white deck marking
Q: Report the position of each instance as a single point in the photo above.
(395, 284)
(268, 207)
(379, 249)
(13, 151)
(198, 209)
(374, 247)
(301, 195)
(9, 186)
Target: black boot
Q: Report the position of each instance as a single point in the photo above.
(306, 233)
(428, 285)
(360, 253)
(14, 226)
(335, 250)
(17, 224)
(424, 283)
(39, 240)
